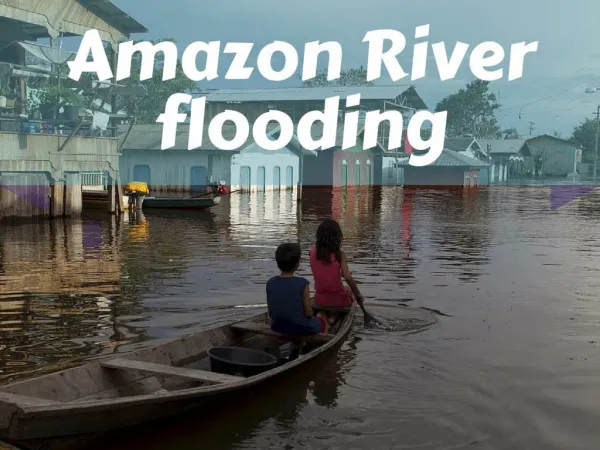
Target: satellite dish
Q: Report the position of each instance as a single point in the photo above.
(591, 90)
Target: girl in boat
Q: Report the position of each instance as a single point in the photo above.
(329, 266)
(288, 297)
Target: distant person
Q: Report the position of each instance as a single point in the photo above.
(288, 297)
(329, 266)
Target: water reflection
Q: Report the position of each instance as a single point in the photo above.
(55, 283)
(462, 233)
(75, 289)
(266, 418)
(328, 381)
(62, 256)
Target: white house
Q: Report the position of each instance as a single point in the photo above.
(256, 169)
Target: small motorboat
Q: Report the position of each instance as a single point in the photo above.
(180, 203)
(138, 197)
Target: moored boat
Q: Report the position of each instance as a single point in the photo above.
(180, 203)
(65, 410)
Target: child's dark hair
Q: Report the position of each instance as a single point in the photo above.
(288, 256)
(329, 240)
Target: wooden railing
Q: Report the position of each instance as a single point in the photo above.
(93, 181)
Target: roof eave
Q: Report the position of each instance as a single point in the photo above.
(116, 17)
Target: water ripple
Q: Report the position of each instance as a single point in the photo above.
(489, 297)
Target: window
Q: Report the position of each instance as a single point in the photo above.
(198, 178)
(357, 173)
(289, 176)
(368, 172)
(245, 178)
(344, 173)
(277, 178)
(141, 173)
(261, 182)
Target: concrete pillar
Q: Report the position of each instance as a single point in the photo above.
(300, 177)
(73, 195)
(111, 194)
(57, 198)
(119, 194)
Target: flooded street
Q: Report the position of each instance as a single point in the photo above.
(492, 297)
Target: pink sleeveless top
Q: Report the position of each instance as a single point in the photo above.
(330, 292)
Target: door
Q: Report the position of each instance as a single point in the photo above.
(357, 173)
(344, 173)
(261, 182)
(198, 178)
(141, 172)
(289, 177)
(245, 178)
(276, 178)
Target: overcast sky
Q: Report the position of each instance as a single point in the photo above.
(551, 93)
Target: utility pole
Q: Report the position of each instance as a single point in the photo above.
(596, 146)
(531, 127)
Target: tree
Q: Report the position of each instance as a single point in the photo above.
(584, 135)
(146, 109)
(511, 133)
(471, 112)
(348, 77)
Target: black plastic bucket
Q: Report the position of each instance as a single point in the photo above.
(240, 361)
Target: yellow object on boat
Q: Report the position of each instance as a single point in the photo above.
(137, 186)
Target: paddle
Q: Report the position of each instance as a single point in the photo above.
(367, 315)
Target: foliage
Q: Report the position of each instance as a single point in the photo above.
(471, 112)
(146, 109)
(584, 135)
(510, 133)
(348, 77)
(52, 98)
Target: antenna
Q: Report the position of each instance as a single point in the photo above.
(531, 127)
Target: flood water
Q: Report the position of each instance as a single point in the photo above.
(491, 295)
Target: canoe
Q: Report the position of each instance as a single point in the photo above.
(71, 408)
(180, 203)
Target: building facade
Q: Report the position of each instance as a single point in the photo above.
(451, 170)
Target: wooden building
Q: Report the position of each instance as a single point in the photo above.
(451, 170)
(42, 161)
(339, 168)
(296, 102)
(176, 169)
(509, 158)
(551, 156)
(472, 148)
(257, 169)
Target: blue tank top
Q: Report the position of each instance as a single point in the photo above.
(284, 302)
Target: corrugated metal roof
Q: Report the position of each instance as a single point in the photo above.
(388, 93)
(114, 16)
(534, 142)
(458, 145)
(511, 146)
(450, 158)
(149, 136)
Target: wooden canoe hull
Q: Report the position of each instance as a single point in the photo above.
(62, 411)
(180, 203)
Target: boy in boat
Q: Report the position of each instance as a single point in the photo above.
(329, 267)
(288, 297)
